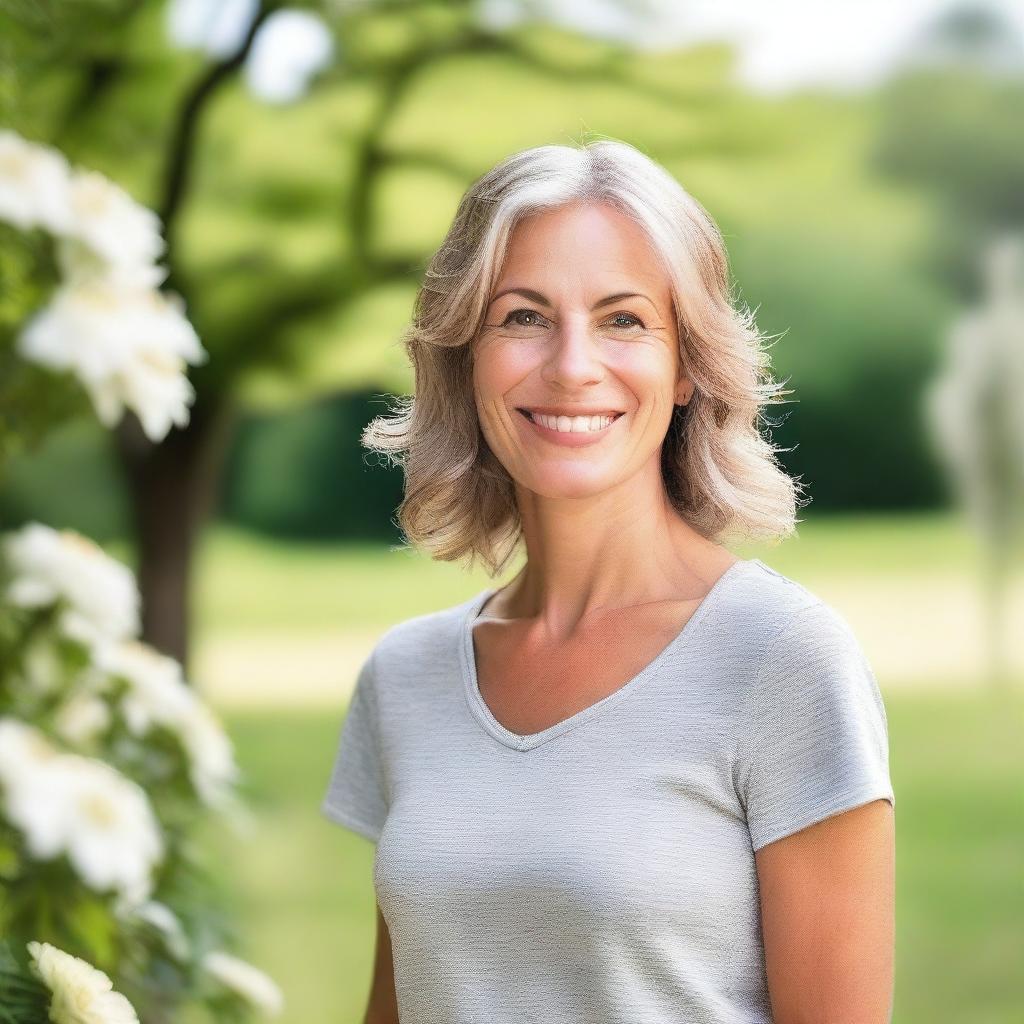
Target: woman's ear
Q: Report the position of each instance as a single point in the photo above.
(684, 391)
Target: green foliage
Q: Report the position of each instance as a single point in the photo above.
(23, 999)
(855, 349)
(71, 479)
(91, 926)
(45, 43)
(957, 133)
(33, 399)
(954, 135)
(306, 474)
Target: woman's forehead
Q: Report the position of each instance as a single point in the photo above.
(593, 249)
(600, 230)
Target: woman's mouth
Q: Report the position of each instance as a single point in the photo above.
(571, 431)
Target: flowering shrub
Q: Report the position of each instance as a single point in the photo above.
(104, 322)
(108, 757)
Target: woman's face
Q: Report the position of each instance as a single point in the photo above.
(581, 323)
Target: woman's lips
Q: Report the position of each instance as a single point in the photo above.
(569, 438)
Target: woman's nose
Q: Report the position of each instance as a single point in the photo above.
(574, 356)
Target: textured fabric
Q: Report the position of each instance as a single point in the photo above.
(602, 870)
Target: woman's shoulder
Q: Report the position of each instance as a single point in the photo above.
(807, 679)
(422, 637)
(772, 612)
(792, 626)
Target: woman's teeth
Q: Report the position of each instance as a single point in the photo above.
(572, 424)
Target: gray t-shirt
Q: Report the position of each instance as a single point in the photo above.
(602, 870)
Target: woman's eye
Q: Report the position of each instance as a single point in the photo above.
(519, 312)
(628, 316)
(516, 318)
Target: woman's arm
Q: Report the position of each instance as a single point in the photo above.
(383, 1005)
(828, 918)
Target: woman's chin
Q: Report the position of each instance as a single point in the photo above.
(561, 480)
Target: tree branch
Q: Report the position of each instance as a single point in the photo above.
(182, 142)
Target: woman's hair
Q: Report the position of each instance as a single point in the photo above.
(721, 474)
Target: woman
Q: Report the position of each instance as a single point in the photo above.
(645, 782)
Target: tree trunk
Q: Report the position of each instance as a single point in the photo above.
(173, 488)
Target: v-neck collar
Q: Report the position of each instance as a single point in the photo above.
(530, 741)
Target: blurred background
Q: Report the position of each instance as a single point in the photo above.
(865, 162)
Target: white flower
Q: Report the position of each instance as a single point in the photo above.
(80, 265)
(35, 189)
(110, 234)
(101, 230)
(32, 802)
(99, 594)
(42, 670)
(81, 994)
(25, 752)
(79, 806)
(158, 695)
(128, 346)
(214, 770)
(82, 717)
(161, 917)
(247, 981)
(114, 839)
(30, 779)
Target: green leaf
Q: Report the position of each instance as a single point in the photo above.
(91, 922)
(10, 862)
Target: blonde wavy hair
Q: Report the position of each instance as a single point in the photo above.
(721, 473)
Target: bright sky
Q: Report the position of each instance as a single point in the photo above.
(782, 44)
(849, 44)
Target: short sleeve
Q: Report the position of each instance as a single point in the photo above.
(356, 796)
(814, 740)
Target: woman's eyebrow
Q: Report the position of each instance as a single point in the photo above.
(529, 293)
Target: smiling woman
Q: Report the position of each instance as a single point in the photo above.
(639, 229)
(645, 781)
